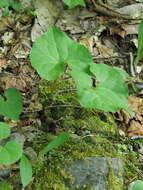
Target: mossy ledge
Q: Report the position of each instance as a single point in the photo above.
(50, 173)
(93, 132)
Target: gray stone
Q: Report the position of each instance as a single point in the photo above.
(5, 173)
(13, 137)
(18, 138)
(93, 172)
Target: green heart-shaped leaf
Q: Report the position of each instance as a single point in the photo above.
(12, 106)
(4, 130)
(10, 153)
(110, 93)
(55, 49)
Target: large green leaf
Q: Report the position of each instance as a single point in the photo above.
(55, 49)
(12, 106)
(140, 43)
(136, 185)
(110, 93)
(56, 142)
(4, 130)
(102, 98)
(10, 153)
(25, 171)
(110, 78)
(74, 3)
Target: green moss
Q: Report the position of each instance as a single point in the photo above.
(94, 134)
(115, 182)
(58, 91)
(51, 172)
(132, 166)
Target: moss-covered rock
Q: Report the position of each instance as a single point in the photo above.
(50, 173)
(93, 133)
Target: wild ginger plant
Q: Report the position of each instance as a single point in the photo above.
(54, 50)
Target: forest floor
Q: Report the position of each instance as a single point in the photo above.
(112, 40)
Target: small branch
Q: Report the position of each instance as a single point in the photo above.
(132, 66)
(66, 91)
(63, 106)
(30, 111)
(109, 57)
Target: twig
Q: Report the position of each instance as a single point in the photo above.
(88, 136)
(63, 106)
(105, 10)
(109, 57)
(132, 66)
(31, 111)
(67, 90)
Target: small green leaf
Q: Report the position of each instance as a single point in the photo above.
(74, 3)
(25, 171)
(10, 153)
(140, 43)
(56, 143)
(12, 107)
(55, 49)
(4, 130)
(136, 185)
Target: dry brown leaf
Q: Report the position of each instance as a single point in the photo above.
(88, 42)
(16, 82)
(133, 10)
(130, 28)
(132, 126)
(136, 104)
(136, 133)
(124, 116)
(3, 25)
(118, 30)
(2, 64)
(103, 50)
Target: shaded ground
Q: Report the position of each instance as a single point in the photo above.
(95, 133)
